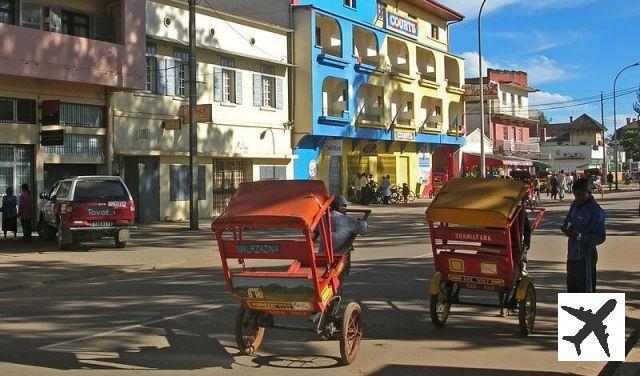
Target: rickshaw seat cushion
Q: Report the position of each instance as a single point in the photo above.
(477, 202)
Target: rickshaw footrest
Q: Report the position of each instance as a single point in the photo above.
(478, 304)
(294, 328)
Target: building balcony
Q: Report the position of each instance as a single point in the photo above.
(403, 121)
(456, 130)
(517, 146)
(401, 74)
(431, 126)
(428, 80)
(43, 54)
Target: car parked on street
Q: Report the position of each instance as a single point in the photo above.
(87, 208)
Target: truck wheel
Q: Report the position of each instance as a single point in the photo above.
(45, 232)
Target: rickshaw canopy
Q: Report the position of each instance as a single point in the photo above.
(477, 202)
(277, 203)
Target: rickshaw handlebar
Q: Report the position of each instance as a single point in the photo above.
(365, 212)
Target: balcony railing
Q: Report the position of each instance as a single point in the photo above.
(370, 114)
(508, 146)
(399, 70)
(432, 125)
(428, 76)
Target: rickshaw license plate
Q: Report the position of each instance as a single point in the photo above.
(288, 306)
(258, 248)
(481, 281)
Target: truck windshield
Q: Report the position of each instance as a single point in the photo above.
(111, 190)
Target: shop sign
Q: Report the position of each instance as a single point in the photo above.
(52, 138)
(370, 148)
(402, 25)
(472, 92)
(424, 167)
(333, 148)
(404, 135)
(313, 169)
(203, 113)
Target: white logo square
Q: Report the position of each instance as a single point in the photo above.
(591, 327)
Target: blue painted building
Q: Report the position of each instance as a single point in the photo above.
(375, 88)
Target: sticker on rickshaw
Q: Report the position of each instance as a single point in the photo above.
(258, 248)
(488, 268)
(473, 237)
(280, 306)
(255, 293)
(456, 265)
(481, 281)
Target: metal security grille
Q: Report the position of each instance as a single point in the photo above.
(81, 115)
(16, 167)
(227, 176)
(78, 144)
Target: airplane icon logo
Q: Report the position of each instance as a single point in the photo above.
(592, 324)
(579, 316)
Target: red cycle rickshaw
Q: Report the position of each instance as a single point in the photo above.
(286, 220)
(478, 229)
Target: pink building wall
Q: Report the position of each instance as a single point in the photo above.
(499, 132)
(49, 55)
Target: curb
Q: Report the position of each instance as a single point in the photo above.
(611, 367)
(140, 268)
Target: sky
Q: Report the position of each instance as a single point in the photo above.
(572, 49)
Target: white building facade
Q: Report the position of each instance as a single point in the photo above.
(242, 85)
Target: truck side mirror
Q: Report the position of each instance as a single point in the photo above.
(44, 195)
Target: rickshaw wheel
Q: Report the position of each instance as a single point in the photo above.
(441, 304)
(351, 333)
(249, 334)
(527, 311)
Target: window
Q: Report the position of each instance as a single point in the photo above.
(435, 32)
(179, 183)
(228, 80)
(409, 106)
(181, 58)
(152, 69)
(519, 101)
(350, 3)
(505, 133)
(268, 86)
(31, 14)
(64, 189)
(504, 99)
(8, 11)
(75, 24)
(21, 111)
(438, 111)
(110, 190)
(318, 36)
(273, 172)
(81, 115)
(382, 7)
(520, 135)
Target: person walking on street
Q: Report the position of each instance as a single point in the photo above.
(405, 193)
(553, 185)
(363, 188)
(386, 189)
(610, 180)
(25, 211)
(570, 180)
(9, 213)
(562, 184)
(584, 227)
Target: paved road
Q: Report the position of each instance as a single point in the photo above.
(180, 318)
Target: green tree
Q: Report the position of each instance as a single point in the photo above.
(631, 144)
(542, 119)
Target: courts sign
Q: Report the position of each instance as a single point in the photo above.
(402, 25)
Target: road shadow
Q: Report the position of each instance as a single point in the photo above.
(411, 370)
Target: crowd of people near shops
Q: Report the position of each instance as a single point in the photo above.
(14, 208)
(557, 184)
(367, 191)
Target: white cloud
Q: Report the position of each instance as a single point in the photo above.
(536, 41)
(540, 68)
(470, 8)
(544, 97)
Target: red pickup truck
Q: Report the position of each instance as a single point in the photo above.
(86, 208)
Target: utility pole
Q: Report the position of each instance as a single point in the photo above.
(193, 123)
(605, 168)
(483, 168)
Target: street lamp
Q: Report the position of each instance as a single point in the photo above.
(615, 125)
(483, 168)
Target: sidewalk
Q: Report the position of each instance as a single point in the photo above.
(153, 246)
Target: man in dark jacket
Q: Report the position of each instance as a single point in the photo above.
(585, 228)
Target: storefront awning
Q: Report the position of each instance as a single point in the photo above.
(492, 160)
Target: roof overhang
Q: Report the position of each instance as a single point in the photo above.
(440, 10)
(513, 85)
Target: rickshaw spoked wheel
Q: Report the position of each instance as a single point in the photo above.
(249, 333)
(527, 311)
(351, 333)
(441, 303)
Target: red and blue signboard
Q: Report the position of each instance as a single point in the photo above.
(402, 25)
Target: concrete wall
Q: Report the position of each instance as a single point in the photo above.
(48, 55)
